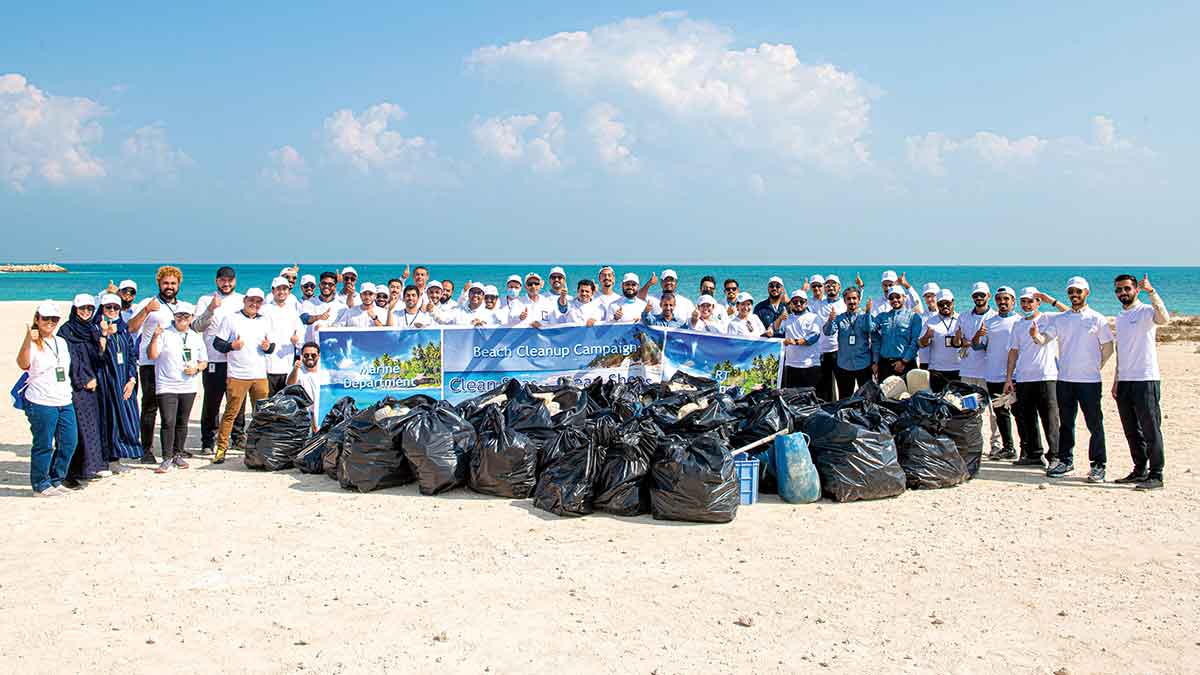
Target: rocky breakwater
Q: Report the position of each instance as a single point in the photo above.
(43, 267)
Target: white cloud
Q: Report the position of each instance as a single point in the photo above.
(613, 142)
(286, 167)
(506, 138)
(147, 154)
(757, 184)
(929, 153)
(368, 142)
(761, 98)
(46, 136)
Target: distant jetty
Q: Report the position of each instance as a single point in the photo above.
(44, 267)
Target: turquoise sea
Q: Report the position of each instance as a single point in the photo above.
(1179, 286)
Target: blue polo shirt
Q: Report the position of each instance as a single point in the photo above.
(657, 321)
(853, 328)
(896, 334)
(767, 314)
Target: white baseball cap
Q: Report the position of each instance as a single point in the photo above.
(834, 278)
(514, 277)
(433, 283)
(630, 276)
(284, 271)
(185, 308)
(381, 289)
(799, 293)
(308, 279)
(1029, 292)
(706, 300)
(491, 290)
(110, 299)
(128, 283)
(815, 279)
(533, 275)
(743, 297)
(945, 294)
(1078, 282)
(931, 287)
(476, 287)
(255, 293)
(980, 287)
(896, 290)
(1006, 290)
(84, 300)
(277, 282)
(349, 270)
(669, 273)
(889, 275)
(49, 308)
(557, 270)
(367, 287)
(775, 280)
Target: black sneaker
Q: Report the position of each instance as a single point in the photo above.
(1029, 461)
(1096, 475)
(74, 484)
(1059, 470)
(1135, 476)
(183, 453)
(1006, 453)
(148, 458)
(1151, 483)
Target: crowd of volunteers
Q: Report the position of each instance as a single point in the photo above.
(100, 379)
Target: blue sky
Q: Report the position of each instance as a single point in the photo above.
(712, 132)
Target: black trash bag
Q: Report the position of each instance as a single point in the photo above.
(279, 429)
(311, 456)
(693, 479)
(371, 457)
(965, 427)
(770, 415)
(929, 461)
(622, 487)
(437, 441)
(855, 461)
(699, 384)
(528, 415)
(504, 461)
(566, 487)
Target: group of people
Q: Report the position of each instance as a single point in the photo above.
(99, 384)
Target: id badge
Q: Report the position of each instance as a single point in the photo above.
(850, 340)
(60, 374)
(187, 354)
(949, 341)
(212, 367)
(120, 358)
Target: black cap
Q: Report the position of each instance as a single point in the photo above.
(226, 272)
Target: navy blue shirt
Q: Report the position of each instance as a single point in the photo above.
(896, 334)
(767, 314)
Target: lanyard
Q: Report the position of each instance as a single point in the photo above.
(167, 304)
(53, 344)
(947, 324)
(854, 322)
(409, 323)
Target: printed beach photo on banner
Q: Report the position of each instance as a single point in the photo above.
(740, 362)
(370, 363)
(478, 360)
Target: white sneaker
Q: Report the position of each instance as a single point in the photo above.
(48, 492)
(104, 473)
(62, 490)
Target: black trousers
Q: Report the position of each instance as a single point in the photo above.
(802, 377)
(848, 381)
(1037, 400)
(149, 408)
(1004, 416)
(938, 379)
(276, 382)
(1073, 397)
(210, 408)
(176, 410)
(825, 384)
(1138, 403)
(887, 367)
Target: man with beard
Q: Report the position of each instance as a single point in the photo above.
(583, 309)
(210, 311)
(992, 337)
(243, 337)
(708, 285)
(491, 301)
(308, 288)
(772, 309)
(827, 345)
(322, 309)
(1138, 388)
(411, 317)
(886, 282)
(1085, 344)
(558, 281)
(349, 293)
(365, 314)
(666, 317)
(629, 308)
(448, 292)
(606, 278)
(670, 284)
(729, 306)
(943, 339)
(474, 313)
(285, 330)
(156, 312)
(973, 367)
(307, 373)
(1032, 375)
(852, 329)
(894, 342)
(801, 340)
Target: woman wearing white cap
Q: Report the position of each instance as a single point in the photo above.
(120, 420)
(745, 323)
(82, 334)
(703, 318)
(46, 360)
(179, 358)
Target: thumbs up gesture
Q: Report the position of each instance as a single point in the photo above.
(216, 301)
(870, 303)
(111, 288)
(1146, 285)
(653, 278)
(265, 344)
(236, 343)
(154, 305)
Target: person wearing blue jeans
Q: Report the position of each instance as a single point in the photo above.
(46, 360)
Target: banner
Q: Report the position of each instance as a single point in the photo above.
(477, 360)
(460, 363)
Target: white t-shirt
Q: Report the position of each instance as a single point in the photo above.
(802, 327)
(249, 362)
(285, 323)
(710, 326)
(579, 313)
(315, 306)
(173, 345)
(751, 326)
(606, 300)
(996, 345)
(974, 364)
(230, 304)
(923, 352)
(465, 316)
(44, 387)
(631, 310)
(942, 357)
(164, 316)
(1137, 354)
(544, 310)
(358, 317)
(822, 308)
(1080, 335)
(405, 321)
(1035, 363)
(312, 381)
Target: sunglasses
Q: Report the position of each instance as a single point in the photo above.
(127, 291)
(311, 285)
(774, 285)
(110, 307)
(87, 308)
(309, 355)
(349, 277)
(50, 319)
(944, 303)
(979, 296)
(533, 283)
(731, 289)
(182, 315)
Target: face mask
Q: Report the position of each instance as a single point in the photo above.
(1027, 315)
(513, 292)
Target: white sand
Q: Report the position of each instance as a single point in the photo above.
(220, 568)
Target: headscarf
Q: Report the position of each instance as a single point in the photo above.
(76, 330)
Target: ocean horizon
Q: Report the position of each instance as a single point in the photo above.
(1179, 286)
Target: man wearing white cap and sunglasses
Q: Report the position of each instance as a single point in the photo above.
(533, 309)
(1085, 344)
(773, 309)
(244, 338)
(827, 344)
(887, 280)
(943, 338)
(973, 368)
(993, 340)
(801, 339)
(630, 307)
(365, 313)
(670, 284)
(1032, 375)
(894, 341)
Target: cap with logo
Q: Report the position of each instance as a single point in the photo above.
(816, 279)
(127, 283)
(895, 290)
(980, 287)
(630, 276)
(84, 300)
(491, 290)
(889, 275)
(48, 308)
(308, 279)
(1005, 290)
(367, 287)
(669, 274)
(255, 293)
(945, 294)
(1078, 282)
(744, 297)
(799, 295)
(557, 270)
(833, 278)
(278, 282)
(930, 288)
(185, 308)
(110, 299)
(533, 275)
(1029, 292)
(705, 300)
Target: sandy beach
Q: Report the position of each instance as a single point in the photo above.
(218, 568)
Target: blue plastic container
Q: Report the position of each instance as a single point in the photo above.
(747, 477)
(795, 473)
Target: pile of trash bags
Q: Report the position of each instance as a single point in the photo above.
(279, 429)
(328, 438)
